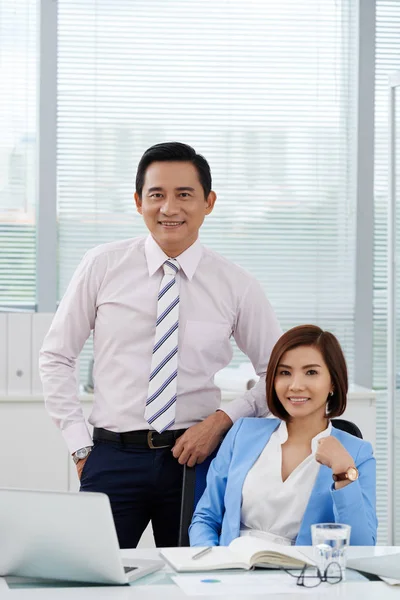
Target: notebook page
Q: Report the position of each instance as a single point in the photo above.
(246, 546)
(218, 557)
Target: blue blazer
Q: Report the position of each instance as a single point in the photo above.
(216, 520)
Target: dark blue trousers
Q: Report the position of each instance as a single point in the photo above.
(142, 485)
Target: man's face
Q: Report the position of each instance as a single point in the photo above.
(173, 205)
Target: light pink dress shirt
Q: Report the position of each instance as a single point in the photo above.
(114, 292)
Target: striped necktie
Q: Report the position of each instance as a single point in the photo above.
(160, 403)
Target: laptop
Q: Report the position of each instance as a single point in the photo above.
(63, 536)
(386, 565)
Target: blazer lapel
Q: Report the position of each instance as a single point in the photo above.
(317, 510)
(248, 456)
(316, 507)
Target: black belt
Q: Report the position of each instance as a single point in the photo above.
(149, 438)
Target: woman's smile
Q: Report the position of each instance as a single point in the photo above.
(298, 399)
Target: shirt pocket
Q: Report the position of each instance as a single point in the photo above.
(203, 346)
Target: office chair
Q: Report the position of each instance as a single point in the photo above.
(193, 486)
(194, 482)
(347, 426)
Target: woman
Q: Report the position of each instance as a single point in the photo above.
(274, 478)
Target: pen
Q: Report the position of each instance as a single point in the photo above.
(202, 553)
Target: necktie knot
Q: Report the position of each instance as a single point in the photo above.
(171, 266)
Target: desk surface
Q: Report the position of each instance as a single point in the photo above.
(160, 586)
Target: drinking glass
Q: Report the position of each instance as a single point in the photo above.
(330, 541)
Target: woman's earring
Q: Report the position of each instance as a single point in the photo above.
(331, 393)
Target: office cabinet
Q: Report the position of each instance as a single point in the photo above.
(32, 451)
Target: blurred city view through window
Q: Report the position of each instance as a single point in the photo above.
(18, 133)
(264, 90)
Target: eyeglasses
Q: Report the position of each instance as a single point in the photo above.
(311, 576)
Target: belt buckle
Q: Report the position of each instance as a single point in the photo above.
(150, 441)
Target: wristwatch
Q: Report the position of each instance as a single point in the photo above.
(350, 475)
(81, 454)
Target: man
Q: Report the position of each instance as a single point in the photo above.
(163, 309)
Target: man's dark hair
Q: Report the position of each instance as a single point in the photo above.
(328, 345)
(173, 152)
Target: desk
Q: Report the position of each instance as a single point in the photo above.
(159, 586)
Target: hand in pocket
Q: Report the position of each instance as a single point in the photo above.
(79, 466)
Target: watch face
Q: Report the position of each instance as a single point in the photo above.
(352, 474)
(81, 453)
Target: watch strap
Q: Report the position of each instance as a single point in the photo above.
(340, 476)
(345, 476)
(76, 458)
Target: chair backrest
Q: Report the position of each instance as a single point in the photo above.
(347, 426)
(194, 482)
(193, 486)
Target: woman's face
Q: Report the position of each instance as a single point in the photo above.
(303, 382)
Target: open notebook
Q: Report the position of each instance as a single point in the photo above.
(242, 553)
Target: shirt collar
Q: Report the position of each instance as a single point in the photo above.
(188, 260)
(283, 435)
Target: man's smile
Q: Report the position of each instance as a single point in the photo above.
(171, 224)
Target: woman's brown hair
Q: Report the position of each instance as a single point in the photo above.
(332, 353)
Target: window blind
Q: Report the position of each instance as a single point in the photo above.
(387, 61)
(17, 153)
(264, 90)
(397, 327)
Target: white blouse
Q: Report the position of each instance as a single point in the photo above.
(271, 507)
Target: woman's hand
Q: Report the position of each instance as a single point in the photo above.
(331, 453)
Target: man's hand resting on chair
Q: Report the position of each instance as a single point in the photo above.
(200, 440)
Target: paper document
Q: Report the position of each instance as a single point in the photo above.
(221, 584)
(229, 584)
